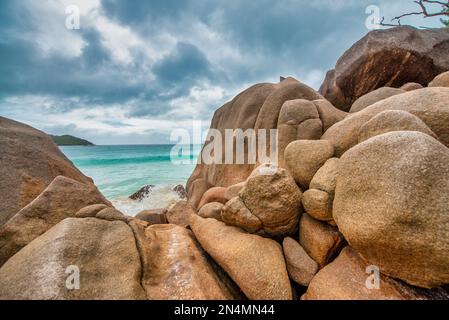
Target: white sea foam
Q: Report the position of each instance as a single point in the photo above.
(160, 197)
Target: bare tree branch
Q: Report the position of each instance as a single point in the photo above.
(424, 12)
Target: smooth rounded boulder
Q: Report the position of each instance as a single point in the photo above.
(102, 255)
(303, 158)
(272, 197)
(211, 210)
(386, 58)
(300, 266)
(256, 264)
(318, 200)
(321, 241)
(348, 277)
(393, 120)
(428, 104)
(216, 194)
(441, 80)
(179, 213)
(257, 107)
(318, 204)
(410, 86)
(373, 97)
(304, 120)
(175, 267)
(63, 198)
(391, 204)
(29, 162)
(90, 211)
(153, 216)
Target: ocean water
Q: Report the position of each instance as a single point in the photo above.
(119, 171)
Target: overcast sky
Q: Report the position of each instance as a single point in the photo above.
(135, 70)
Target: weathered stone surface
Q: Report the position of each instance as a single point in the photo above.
(179, 213)
(63, 198)
(410, 86)
(235, 213)
(428, 104)
(298, 119)
(441, 80)
(90, 211)
(175, 267)
(154, 216)
(216, 194)
(234, 190)
(104, 252)
(300, 266)
(272, 196)
(318, 204)
(196, 188)
(255, 108)
(29, 161)
(303, 158)
(211, 210)
(111, 214)
(318, 200)
(256, 264)
(373, 97)
(321, 241)
(329, 115)
(347, 277)
(391, 205)
(326, 177)
(304, 120)
(387, 58)
(393, 120)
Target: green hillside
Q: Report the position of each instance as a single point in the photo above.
(67, 140)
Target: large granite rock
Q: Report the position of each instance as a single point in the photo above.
(303, 158)
(373, 97)
(153, 216)
(255, 108)
(319, 199)
(29, 161)
(216, 194)
(300, 266)
(441, 80)
(428, 104)
(387, 58)
(175, 267)
(351, 278)
(63, 198)
(391, 204)
(393, 120)
(268, 204)
(256, 264)
(103, 252)
(410, 86)
(304, 120)
(321, 241)
(211, 210)
(179, 213)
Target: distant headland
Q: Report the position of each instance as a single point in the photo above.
(67, 140)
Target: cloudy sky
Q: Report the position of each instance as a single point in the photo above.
(135, 70)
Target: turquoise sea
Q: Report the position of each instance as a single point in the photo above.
(119, 171)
